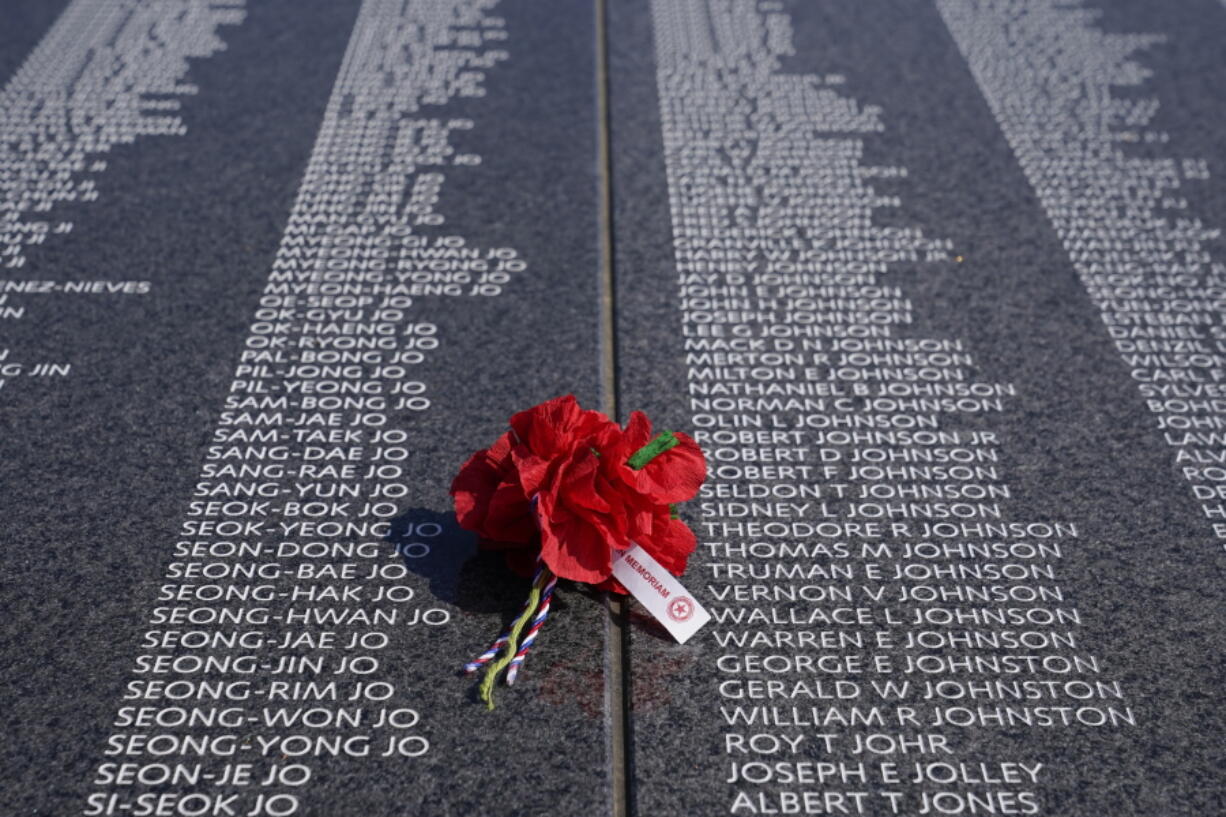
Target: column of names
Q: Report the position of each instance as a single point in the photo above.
(266, 653)
(879, 612)
(107, 74)
(1113, 194)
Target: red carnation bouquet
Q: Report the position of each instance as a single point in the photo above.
(561, 493)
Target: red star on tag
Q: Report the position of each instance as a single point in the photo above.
(680, 608)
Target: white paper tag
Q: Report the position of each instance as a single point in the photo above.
(658, 591)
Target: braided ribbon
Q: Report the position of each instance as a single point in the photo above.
(482, 659)
(542, 613)
(513, 650)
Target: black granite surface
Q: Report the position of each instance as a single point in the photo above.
(25, 22)
(98, 467)
(1078, 442)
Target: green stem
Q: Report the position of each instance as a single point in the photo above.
(658, 445)
(486, 690)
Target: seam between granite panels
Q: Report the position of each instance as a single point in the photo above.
(616, 635)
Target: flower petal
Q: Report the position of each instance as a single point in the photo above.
(572, 548)
(674, 475)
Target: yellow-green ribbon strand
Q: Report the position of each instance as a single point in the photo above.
(486, 690)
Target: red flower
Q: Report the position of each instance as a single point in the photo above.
(673, 475)
(571, 485)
